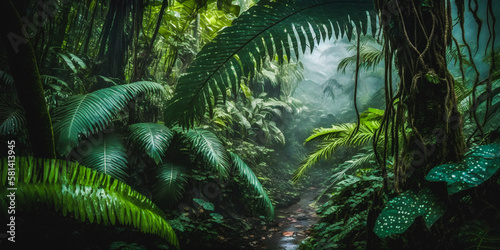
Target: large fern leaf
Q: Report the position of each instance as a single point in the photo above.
(209, 149)
(82, 115)
(247, 174)
(266, 29)
(171, 183)
(84, 194)
(109, 157)
(152, 138)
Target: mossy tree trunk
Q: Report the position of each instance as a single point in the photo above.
(24, 70)
(419, 33)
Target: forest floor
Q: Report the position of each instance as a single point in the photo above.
(292, 224)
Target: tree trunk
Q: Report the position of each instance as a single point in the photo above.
(24, 70)
(419, 33)
(145, 59)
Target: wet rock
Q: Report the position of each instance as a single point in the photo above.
(302, 217)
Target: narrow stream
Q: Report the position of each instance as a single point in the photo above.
(292, 224)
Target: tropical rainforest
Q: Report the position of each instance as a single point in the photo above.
(247, 124)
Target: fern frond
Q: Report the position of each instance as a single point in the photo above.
(85, 194)
(108, 157)
(265, 30)
(348, 167)
(359, 160)
(11, 119)
(247, 174)
(333, 138)
(336, 131)
(323, 151)
(151, 138)
(6, 81)
(82, 115)
(209, 148)
(171, 183)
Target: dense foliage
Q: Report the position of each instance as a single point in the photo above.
(183, 121)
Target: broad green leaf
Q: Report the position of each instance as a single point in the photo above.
(400, 212)
(477, 167)
(205, 204)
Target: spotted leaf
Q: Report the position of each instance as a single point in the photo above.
(478, 166)
(400, 212)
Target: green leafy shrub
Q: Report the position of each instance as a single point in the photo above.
(343, 222)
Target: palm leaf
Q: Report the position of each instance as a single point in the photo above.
(11, 119)
(209, 148)
(109, 157)
(85, 194)
(264, 30)
(152, 138)
(82, 115)
(247, 174)
(171, 182)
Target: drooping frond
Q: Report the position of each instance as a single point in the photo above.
(11, 119)
(266, 29)
(151, 138)
(82, 115)
(209, 148)
(87, 195)
(359, 160)
(370, 55)
(247, 174)
(170, 184)
(109, 157)
(347, 167)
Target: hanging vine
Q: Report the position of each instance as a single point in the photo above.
(417, 34)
